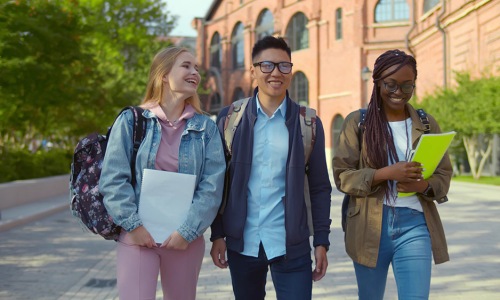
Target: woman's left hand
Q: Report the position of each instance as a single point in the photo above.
(407, 172)
(175, 242)
(410, 187)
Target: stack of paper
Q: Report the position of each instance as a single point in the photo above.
(164, 202)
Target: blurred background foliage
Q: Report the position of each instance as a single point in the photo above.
(67, 68)
(472, 109)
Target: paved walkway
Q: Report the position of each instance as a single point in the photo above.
(53, 259)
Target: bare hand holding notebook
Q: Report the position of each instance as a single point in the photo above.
(164, 202)
(429, 152)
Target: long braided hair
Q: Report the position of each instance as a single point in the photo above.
(377, 133)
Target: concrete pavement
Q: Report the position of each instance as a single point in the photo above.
(52, 258)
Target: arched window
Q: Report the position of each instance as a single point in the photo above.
(297, 32)
(392, 11)
(336, 128)
(215, 51)
(238, 94)
(430, 4)
(238, 47)
(265, 24)
(338, 24)
(215, 104)
(299, 89)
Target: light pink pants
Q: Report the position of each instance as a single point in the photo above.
(138, 267)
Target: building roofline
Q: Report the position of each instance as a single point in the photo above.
(213, 7)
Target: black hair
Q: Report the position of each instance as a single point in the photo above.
(377, 134)
(270, 42)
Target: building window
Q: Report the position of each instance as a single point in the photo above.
(299, 89)
(215, 51)
(238, 49)
(238, 94)
(336, 128)
(297, 33)
(338, 24)
(265, 25)
(430, 4)
(215, 104)
(391, 11)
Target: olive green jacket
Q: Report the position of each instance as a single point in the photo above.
(364, 215)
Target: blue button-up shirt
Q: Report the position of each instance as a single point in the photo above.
(266, 187)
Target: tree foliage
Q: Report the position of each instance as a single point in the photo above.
(471, 109)
(41, 58)
(69, 66)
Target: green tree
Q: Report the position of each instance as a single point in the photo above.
(471, 109)
(69, 66)
(123, 42)
(40, 59)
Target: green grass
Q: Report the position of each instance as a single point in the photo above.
(483, 180)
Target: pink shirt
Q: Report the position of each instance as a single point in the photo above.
(167, 158)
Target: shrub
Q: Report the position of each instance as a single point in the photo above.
(21, 164)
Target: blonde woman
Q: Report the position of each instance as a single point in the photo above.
(179, 138)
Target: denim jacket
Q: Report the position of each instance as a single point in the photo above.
(200, 154)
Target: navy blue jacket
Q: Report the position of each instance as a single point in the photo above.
(231, 224)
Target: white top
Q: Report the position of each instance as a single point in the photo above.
(401, 131)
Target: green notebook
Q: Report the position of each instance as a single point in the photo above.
(429, 152)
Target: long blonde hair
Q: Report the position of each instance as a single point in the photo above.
(162, 65)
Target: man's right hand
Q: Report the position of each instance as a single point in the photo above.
(218, 253)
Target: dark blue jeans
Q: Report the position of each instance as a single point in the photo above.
(292, 278)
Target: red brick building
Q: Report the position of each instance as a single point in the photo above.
(335, 41)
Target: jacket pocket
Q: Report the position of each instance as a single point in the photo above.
(351, 238)
(353, 211)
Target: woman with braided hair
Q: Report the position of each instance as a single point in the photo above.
(382, 228)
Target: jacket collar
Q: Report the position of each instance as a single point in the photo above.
(196, 123)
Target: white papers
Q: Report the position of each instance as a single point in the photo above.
(164, 202)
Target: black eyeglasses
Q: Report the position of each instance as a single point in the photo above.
(268, 66)
(392, 87)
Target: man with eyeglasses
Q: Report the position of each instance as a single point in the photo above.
(264, 223)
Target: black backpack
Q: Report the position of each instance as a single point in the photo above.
(345, 203)
(86, 201)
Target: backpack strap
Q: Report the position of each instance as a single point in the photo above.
(138, 133)
(308, 128)
(361, 124)
(308, 119)
(424, 119)
(232, 121)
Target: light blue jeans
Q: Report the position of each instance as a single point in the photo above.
(405, 242)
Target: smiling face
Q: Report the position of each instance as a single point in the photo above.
(394, 102)
(272, 86)
(183, 79)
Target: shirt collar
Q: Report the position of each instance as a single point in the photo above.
(281, 108)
